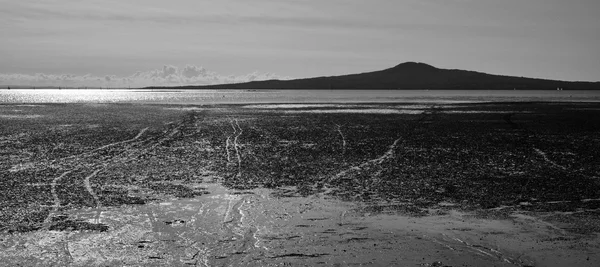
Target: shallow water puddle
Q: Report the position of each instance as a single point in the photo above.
(253, 228)
(20, 116)
(357, 111)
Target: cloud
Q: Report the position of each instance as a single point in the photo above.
(191, 71)
(168, 75)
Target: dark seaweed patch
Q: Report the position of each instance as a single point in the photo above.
(76, 225)
(180, 191)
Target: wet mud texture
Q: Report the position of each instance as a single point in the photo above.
(492, 160)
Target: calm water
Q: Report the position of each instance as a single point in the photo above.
(286, 96)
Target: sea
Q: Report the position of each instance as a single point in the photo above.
(211, 97)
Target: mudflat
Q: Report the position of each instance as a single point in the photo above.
(405, 184)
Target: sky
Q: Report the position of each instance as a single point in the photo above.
(179, 42)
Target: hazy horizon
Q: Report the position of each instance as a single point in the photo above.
(141, 43)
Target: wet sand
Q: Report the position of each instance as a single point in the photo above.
(142, 185)
(253, 228)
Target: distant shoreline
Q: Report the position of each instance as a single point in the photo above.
(184, 88)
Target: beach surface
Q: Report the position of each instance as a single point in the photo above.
(333, 184)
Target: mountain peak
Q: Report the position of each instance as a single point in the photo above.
(415, 66)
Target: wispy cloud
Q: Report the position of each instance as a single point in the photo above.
(291, 17)
(122, 13)
(168, 75)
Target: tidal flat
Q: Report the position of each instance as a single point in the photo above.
(393, 184)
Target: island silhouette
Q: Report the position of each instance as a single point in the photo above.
(410, 75)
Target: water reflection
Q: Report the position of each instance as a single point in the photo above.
(285, 96)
